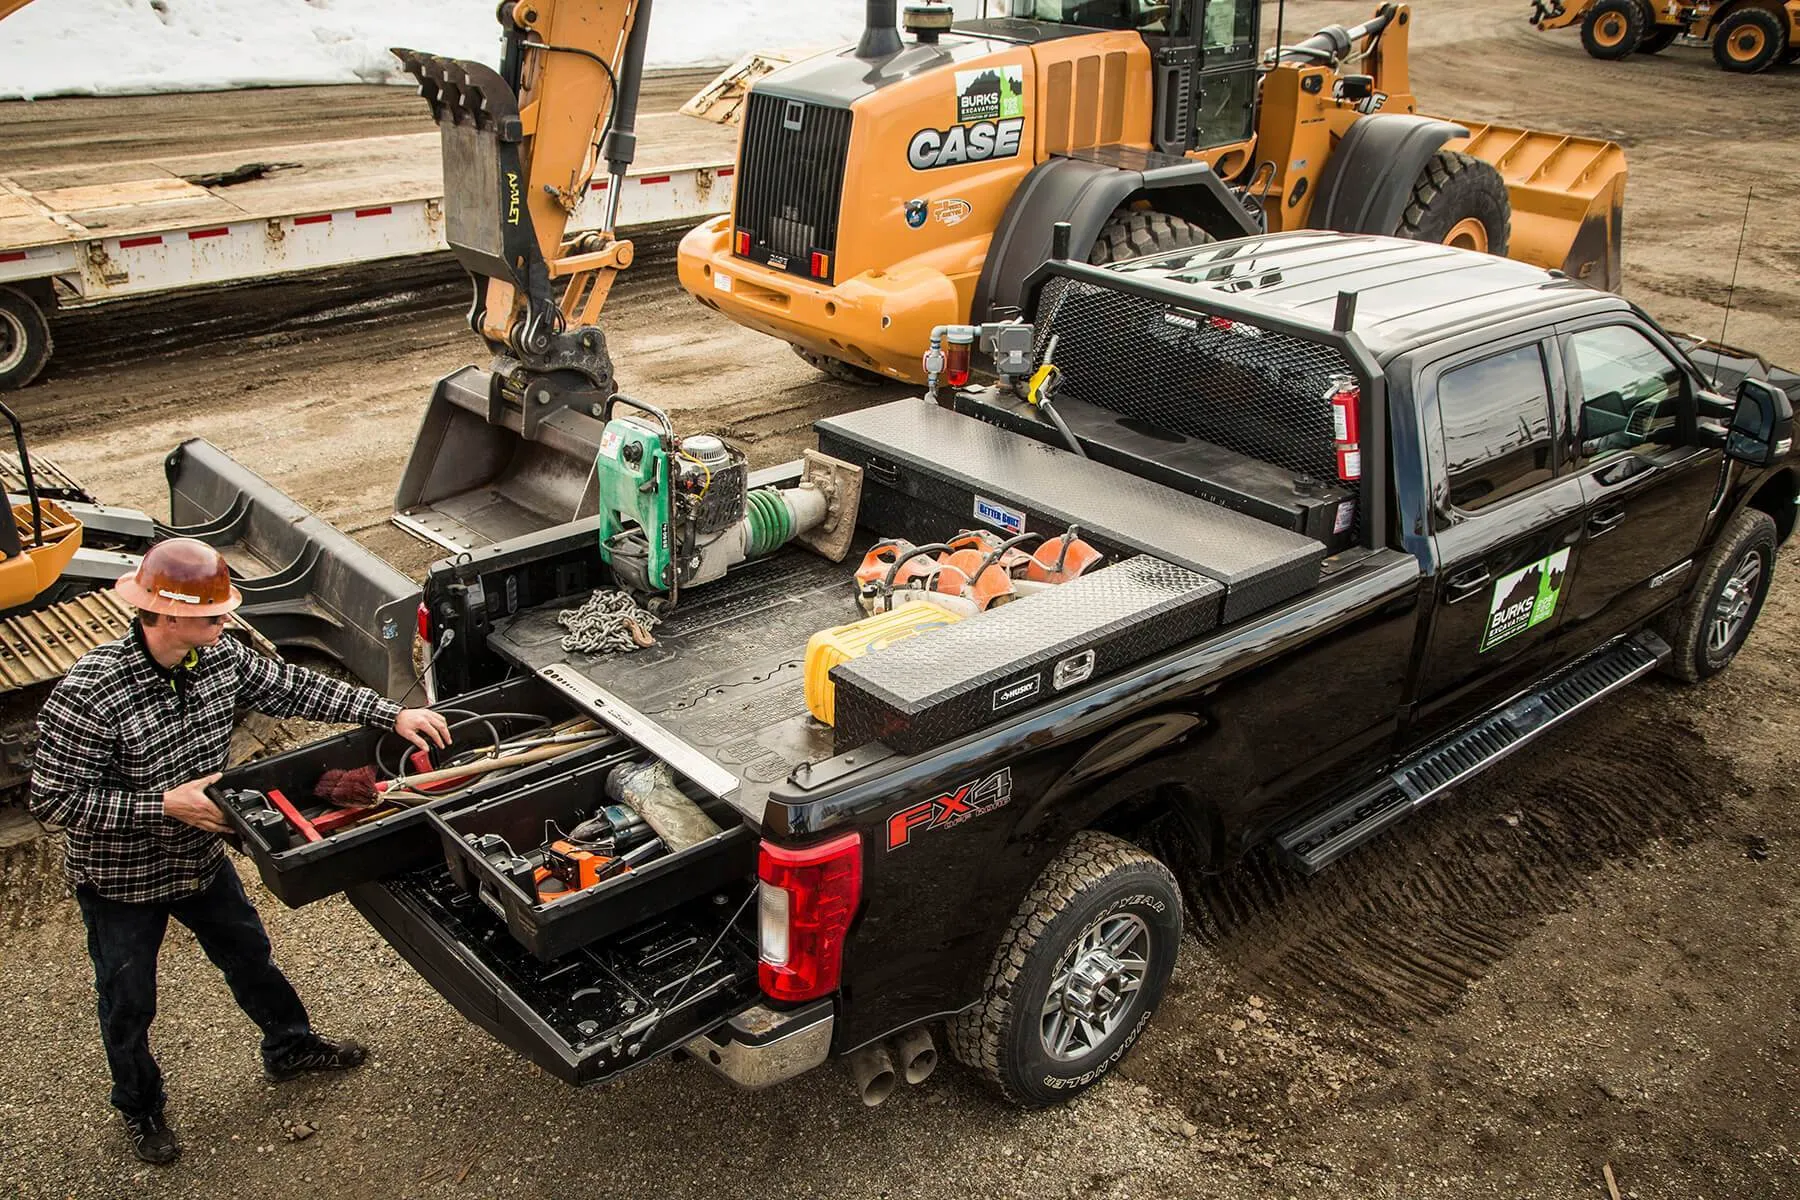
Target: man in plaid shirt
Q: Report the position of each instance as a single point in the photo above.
(128, 743)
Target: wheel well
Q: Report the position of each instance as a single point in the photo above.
(40, 292)
(1158, 815)
(1774, 8)
(1776, 498)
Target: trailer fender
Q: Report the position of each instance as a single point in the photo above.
(1085, 192)
(1369, 178)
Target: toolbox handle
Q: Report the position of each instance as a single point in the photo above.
(882, 471)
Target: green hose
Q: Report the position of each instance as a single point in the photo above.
(771, 524)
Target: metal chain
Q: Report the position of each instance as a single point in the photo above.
(608, 622)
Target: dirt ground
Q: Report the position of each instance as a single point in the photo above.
(1587, 959)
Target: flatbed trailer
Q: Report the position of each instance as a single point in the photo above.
(75, 236)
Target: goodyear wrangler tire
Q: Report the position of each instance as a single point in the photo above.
(25, 341)
(1613, 28)
(1130, 234)
(1750, 40)
(1459, 200)
(1078, 974)
(1711, 625)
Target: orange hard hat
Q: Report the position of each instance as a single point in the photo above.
(181, 577)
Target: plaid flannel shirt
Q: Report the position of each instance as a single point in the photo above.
(120, 730)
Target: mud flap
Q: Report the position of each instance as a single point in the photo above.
(319, 590)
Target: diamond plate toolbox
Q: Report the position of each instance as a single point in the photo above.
(915, 454)
(931, 689)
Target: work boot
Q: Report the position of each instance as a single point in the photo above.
(152, 1140)
(315, 1054)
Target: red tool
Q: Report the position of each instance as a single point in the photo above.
(293, 815)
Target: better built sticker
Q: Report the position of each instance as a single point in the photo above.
(990, 94)
(1525, 598)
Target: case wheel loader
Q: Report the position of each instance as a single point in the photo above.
(1747, 36)
(903, 184)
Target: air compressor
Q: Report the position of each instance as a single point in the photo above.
(677, 512)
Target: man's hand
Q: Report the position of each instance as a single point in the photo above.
(189, 805)
(417, 724)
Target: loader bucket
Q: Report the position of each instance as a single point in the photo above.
(318, 590)
(1567, 194)
(486, 468)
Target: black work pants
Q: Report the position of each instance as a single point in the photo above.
(123, 940)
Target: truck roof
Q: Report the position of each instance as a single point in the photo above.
(1408, 293)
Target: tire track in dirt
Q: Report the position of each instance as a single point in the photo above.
(1397, 933)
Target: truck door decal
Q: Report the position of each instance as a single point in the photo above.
(953, 807)
(1525, 598)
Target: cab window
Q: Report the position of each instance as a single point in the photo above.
(1495, 418)
(1630, 392)
(1146, 15)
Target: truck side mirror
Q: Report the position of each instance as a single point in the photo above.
(1762, 427)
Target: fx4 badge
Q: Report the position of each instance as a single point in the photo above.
(972, 799)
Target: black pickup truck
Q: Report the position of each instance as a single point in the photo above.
(1369, 515)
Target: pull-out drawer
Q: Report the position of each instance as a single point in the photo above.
(593, 1014)
(526, 820)
(299, 871)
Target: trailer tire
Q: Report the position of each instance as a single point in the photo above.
(1749, 40)
(838, 369)
(1459, 200)
(1098, 902)
(1710, 627)
(1130, 233)
(1613, 29)
(25, 341)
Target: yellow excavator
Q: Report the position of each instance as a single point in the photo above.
(905, 183)
(1747, 36)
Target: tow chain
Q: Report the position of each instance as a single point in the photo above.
(608, 622)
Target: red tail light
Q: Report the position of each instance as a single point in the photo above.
(424, 622)
(1346, 403)
(821, 265)
(740, 243)
(807, 900)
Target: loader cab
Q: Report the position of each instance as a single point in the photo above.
(1204, 61)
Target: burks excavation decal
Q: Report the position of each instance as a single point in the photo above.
(1525, 598)
(990, 121)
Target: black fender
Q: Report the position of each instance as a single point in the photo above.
(1085, 192)
(1369, 178)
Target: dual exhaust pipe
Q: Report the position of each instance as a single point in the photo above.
(878, 1068)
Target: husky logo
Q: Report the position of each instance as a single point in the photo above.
(959, 144)
(915, 213)
(972, 799)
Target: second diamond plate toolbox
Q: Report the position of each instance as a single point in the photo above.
(924, 465)
(931, 689)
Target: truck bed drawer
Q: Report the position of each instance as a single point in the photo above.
(526, 819)
(300, 871)
(592, 1015)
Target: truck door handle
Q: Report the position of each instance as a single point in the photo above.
(1604, 522)
(1469, 583)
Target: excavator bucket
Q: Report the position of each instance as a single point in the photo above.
(1567, 194)
(305, 585)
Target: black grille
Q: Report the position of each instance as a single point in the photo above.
(790, 182)
(1260, 392)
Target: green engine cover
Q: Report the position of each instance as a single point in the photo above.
(631, 477)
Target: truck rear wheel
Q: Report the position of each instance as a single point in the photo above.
(1078, 974)
(1613, 28)
(1459, 200)
(25, 341)
(1710, 627)
(1129, 234)
(1750, 40)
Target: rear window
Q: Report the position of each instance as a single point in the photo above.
(1495, 415)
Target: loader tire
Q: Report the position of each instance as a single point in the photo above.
(25, 341)
(1130, 234)
(1097, 935)
(1709, 628)
(1613, 29)
(1658, 39)
(840, 370)
(1459, 200)
(1750, 40)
